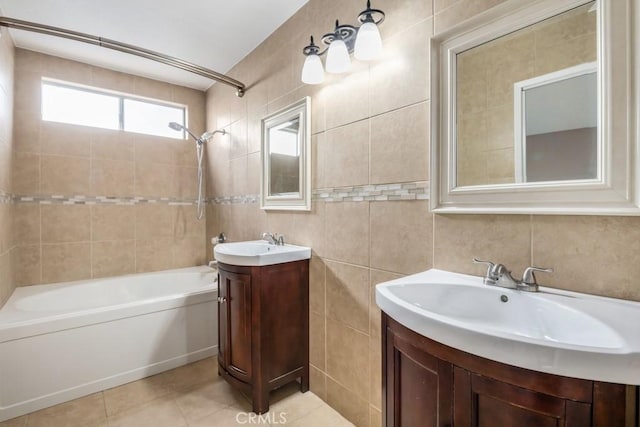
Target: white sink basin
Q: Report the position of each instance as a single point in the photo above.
(560, 332)
(258, 253)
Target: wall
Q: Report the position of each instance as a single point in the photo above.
(94, 202)
(6, 149)
(486, 75)
(371, 142)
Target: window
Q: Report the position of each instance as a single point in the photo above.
(65, 103)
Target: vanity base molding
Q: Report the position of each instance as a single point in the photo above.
(263, 328)
(426, 383)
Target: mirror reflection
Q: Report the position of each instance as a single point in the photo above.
(284, 158)
(527, 104)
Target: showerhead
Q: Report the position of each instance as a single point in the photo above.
(203, 138)
(178, 126)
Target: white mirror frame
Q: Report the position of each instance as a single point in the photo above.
(301, 201)
(617, 191)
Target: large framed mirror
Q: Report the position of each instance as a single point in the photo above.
(533, 110)
(286, 158)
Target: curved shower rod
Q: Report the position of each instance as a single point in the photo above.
(123, 47)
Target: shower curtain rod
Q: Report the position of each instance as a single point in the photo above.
(123, 47)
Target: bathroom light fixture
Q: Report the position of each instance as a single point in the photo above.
(364, 41)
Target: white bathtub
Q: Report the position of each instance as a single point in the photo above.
(66, 340)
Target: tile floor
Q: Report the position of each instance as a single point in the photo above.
(192, 395)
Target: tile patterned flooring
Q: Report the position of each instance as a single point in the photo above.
(191, 395)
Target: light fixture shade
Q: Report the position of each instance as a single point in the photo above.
(338, 57)
(368, 42)
(312, 71)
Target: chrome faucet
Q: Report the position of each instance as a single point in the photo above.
(273, 238)
(498, 275)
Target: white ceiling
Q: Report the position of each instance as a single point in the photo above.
(215, 34)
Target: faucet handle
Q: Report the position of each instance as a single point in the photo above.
(529, 278)
(490, 266)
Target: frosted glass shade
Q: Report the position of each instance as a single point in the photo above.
(368, 42)
(312, 71)
(338, 57)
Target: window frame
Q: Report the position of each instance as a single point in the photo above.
(121, 98)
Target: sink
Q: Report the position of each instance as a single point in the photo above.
(559, 332)
(259, 253)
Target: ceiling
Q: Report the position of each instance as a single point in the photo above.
(215, 34)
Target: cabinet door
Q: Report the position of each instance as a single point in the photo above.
(481, 401)
(234, 313)
(418, 386)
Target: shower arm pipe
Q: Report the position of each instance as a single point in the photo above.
(123, 47)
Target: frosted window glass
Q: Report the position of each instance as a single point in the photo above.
(152, 119)
(79, 107)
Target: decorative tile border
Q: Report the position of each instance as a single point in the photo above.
(235, 200)
(99, 200)
(5, 198)
(418, 190)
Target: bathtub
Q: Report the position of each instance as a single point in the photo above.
(65, 340)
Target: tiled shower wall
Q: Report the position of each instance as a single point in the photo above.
(371, 126)
(6, 148)
(92, 202)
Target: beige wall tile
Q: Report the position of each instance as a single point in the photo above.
(154, 179)
(402, 14)
(401, 76)
(347, 232)
(26, 173)
(65, 140)
(186, 223)
(375, 371)
(7, 282)
(186, 183)
(317, 382)
(112, 223)
(400, 145)
(317, 286)
(347, 96)
(317, 340)
(64, 175)
(347, 403)
(112, 145)
(595, 254)
(113, 258)
(344, 156)
(154, 221)
(499, 238)
(112, 178)
(66, 223)
(189, 252)
(348, 357)
(63, 262)
(6, 230)
(375, 417)
(153, 254)
(26, 265)
(376, 277)
(348, 295)
(26, 223)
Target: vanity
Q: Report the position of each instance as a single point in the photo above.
(457, 352)
(263, 317)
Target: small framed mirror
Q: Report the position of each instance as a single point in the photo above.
(286, 158)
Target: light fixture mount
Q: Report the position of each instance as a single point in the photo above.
(363, 41)
(371, 15)
(346, 33)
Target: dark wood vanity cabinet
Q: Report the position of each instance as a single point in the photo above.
(263, 328)
(426, 384)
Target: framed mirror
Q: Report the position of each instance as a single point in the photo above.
(533, 110)
(286, 158)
